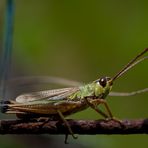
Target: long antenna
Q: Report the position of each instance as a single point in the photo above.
(131, 64)
(7, 47)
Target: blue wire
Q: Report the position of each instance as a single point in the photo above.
(7, 46)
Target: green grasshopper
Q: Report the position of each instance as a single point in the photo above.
(59, 103)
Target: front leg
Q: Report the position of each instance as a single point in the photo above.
(94, 106)
(102, 101)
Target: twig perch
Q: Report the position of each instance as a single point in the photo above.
(83, 127)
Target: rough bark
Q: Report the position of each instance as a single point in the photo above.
(83, 127)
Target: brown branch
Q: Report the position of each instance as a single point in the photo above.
(88, 127)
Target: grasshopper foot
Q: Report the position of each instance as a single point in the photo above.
(115, 119)
(66, 138)
(74, 136)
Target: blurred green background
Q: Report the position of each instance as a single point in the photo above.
(82, 40)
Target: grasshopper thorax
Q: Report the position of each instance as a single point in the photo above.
(103, 87)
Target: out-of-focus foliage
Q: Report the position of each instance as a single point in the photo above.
(83, 40)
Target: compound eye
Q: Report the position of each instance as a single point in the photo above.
(102, 82)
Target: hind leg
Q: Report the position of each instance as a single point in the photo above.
(68, 126)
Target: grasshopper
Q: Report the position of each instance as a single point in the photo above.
(59, 103)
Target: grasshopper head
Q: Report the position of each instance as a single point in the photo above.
(104, 84)
(103, 87)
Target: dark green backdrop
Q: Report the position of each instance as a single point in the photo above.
(83, 40)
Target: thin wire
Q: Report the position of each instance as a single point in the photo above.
(123, 94)
(7, 47)
(35, 80)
